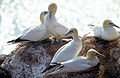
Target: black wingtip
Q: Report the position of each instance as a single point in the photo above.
(11, 41)
(17, 40)
(51, 66)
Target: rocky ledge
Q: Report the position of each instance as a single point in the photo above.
(28, 60)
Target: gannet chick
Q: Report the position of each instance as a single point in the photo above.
(77, 64)
(107, 32)
(36, 33)
(52, 25)
(69, 50)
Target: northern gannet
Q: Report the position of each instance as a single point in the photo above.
(107, 32)
(52, 25)
(69, 50)
(36, 33)
(77, 64)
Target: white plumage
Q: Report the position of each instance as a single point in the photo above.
(36, 33)
(52, 25)
(77, 64)
(69, 50)
(97, 31)
(107, 32)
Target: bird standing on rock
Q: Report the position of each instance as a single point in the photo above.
(36, 33)
(55, 28)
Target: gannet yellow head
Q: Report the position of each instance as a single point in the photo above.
(108, 23)
(92, 53)
(52, 8)
(42, 16)
(72, 31)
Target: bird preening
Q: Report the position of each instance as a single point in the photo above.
(66, 58)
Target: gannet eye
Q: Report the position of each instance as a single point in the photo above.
(46, 12)
(71, 31)
(110, 23)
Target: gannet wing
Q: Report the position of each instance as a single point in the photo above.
(34, 35)
(60, 30)
(56, 54)
(97, 31)
(26, 30)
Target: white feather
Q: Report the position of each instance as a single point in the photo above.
(69, 50)
(109, 33)
(36, 33)
(55, 28)
(76, 64)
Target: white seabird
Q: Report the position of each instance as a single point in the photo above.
(107, 32)
(55, 28)
(36, 33)
(77, 64)
(69, 50)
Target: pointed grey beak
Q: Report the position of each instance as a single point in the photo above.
(114, 25)
(69, 32)
(98, 54)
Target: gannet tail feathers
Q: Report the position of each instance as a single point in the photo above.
(17, 40)
(54, 64)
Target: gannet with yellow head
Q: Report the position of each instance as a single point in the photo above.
(107, 32)
(55, 28)
(77, 64)
(69, 50)
(35, 33)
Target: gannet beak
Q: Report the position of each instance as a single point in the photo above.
(69, 32)
(98, 54)
(114, 25)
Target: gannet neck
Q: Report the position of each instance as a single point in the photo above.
(75, 34)
(52, 9)
(41, 18)
(75, 37)
(49, 20)
(90, 56)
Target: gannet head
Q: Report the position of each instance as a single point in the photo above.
(92, 53)
(42, 16)
(108, 23)
(72, 31)
(52, 8)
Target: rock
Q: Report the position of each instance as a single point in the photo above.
(2, 58)
(4, 73)
(28, 60)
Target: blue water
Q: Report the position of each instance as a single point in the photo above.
(17, 15)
